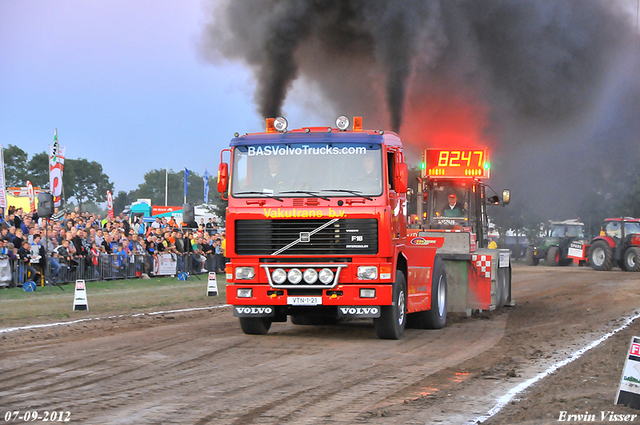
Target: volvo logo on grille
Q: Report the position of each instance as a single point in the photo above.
(305, 237)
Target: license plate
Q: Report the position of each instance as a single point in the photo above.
(304, 300)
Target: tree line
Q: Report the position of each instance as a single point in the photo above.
(86, 184)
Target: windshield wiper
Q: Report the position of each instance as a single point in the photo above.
(308, 192)
(353, 192)
(253, 192)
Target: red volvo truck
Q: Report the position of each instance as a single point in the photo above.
(317, 230)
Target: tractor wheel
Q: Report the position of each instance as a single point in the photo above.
(531, 257)
(436, 317)
(393, 318)
(553, 256)
(255, 325)
(601, 256)
(631, 260)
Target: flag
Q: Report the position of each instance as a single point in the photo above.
(3, 189)
(32, 196)
(186, 174)
(56, 168)
(109, 204)
(206, 186)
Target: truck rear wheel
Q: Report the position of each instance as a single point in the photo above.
(504, 285)
(601, 256)
(553, 256)
(393, 318)
(255, 325)
(530, 257)
(436, 317)
(631, 260)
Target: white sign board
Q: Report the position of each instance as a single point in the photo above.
(629, 390)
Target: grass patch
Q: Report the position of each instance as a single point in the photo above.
(18, 307)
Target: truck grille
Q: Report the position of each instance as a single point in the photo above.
(353, 236)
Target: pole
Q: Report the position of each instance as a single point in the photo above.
(166, 184)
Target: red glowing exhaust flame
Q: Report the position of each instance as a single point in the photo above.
(447, 120)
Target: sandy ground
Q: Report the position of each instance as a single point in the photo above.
(199, 368)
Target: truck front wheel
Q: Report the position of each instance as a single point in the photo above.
(601, 256)
(255, 325)
(393, 318)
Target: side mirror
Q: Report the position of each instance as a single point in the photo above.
(506, 196)
(223, 177)
(401, 178)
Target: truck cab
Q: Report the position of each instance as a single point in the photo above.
(317, 230)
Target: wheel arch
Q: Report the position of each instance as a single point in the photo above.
(607, 239)
(401, 266)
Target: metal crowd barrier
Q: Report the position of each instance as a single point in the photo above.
(106, 267)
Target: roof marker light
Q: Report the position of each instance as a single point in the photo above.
(342, 123)
(357, 123)
(270, 127)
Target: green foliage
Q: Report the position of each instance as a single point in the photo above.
(38, 170)
(120, 201)
(15, 166)
(85, 181)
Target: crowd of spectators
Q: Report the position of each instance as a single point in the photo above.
(81, 239)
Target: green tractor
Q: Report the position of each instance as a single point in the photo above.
(555, 246)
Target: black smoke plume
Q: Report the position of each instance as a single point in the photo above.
(551, 86)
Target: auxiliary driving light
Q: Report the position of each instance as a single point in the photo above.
(367, 293)
(295, 276)
(326, 276)
(367, 272)
(244, 293)
(342, 123)
(245, 273)
(280, 124)
(310, 276)
(279, 276)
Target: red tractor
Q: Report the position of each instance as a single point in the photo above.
(617, 245)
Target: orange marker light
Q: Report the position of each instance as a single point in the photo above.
(270, 126)
(357, 123)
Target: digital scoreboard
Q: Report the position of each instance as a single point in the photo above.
(456, 163)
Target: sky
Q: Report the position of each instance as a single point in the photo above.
(126, 84)
(123, 83)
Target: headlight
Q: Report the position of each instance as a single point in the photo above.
(367, 272)
(310, 276)
(280, 124)
(342, 123)
(279, 276)
(245, 273)
(295, 276)
(244, 292)
(326, 276)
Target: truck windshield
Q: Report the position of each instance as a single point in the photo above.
(307, 170)
(450, 203)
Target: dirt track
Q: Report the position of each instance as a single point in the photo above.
(199, 368)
